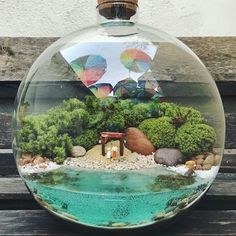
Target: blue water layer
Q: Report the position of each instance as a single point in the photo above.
(105, 198)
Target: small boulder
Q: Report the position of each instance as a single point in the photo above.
(169, 157)
(200, 157)
(210, 159)
(25, 159)
(199, 161)
(43, 165)
(136, 141)
(78, 151)
(191, 165)
(198, 167)
(38, 160)
(189, 173)
(207, 167)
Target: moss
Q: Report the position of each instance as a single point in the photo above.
(139, 113)
(70, 122)
(87, 139)
(92, 103)
(96, 121)
(60, 155)
(72, 104)
(82, 122)
(115, 123)
(126, 104)
(37, 138)
(180, 114)
(161, 132)
(195, 139)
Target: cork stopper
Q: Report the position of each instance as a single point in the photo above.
(121, 9)
(135, 2)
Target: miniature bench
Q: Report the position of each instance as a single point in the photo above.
(21, 215)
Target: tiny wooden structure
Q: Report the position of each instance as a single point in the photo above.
(105, 136)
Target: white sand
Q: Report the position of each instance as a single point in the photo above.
(205, 174)
(45, 167)
(208, 174)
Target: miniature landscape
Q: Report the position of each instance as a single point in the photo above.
(117, 134)
(148, 153)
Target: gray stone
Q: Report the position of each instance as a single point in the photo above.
(189, 173)
(78, 151)
(169, 157)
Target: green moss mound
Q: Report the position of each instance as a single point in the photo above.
(76, 122)
(40, 139)
(87, 139)
(181, 114)
(194, 139)
(161, 132)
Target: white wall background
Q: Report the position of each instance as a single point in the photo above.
(50, 18)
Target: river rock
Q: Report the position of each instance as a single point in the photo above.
(209, 160)
(199, 161)
(38, 160)
(207, 167)
(191, 165)
(78, 151)
(137, 141)
(200, 157)
(169, 157)
(199, 167)
(189, 173)
(27, 157)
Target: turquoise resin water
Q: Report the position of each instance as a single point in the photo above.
(99, 198)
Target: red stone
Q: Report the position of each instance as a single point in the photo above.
(137, 141)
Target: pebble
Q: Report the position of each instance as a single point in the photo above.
(169, 156)
(43, 165)
(25, 159)
(38, 160)
(78, 151)
(198, 167)
(183, 203)
(199, 161)
(207, 167)
(189, 172)
(139, 162)
(26, 156)
(191, 165)
(204, 162)
(209, 160)
(200, 157)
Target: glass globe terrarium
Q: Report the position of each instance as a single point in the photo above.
(118, 125)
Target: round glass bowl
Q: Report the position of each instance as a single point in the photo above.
(118, 126)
